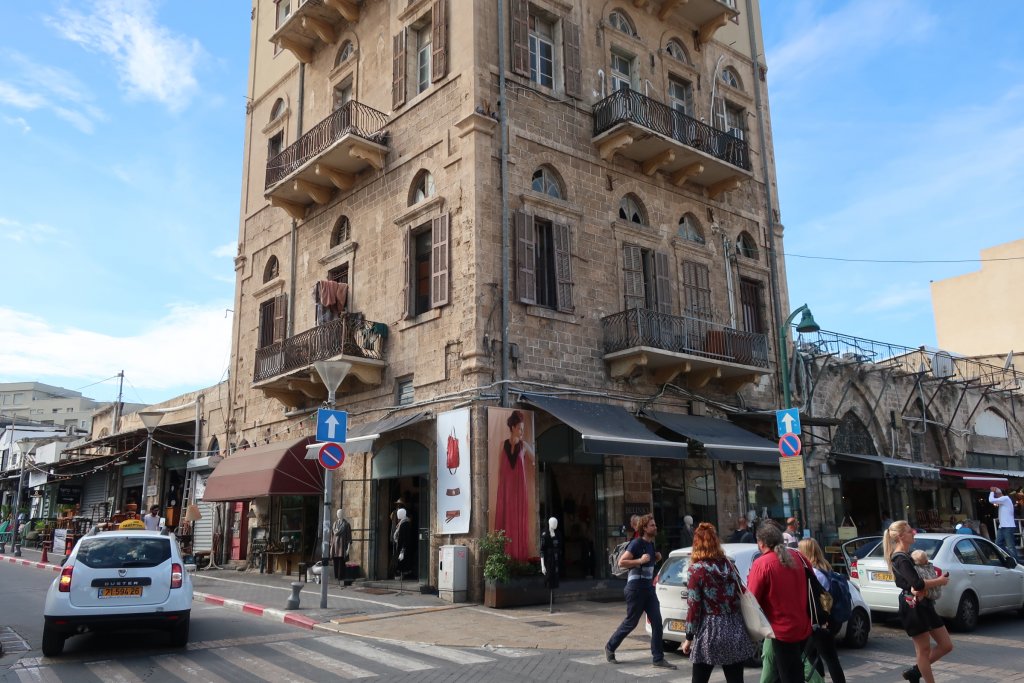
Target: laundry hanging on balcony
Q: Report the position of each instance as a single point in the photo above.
(330, 298)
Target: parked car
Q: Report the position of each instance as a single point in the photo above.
(119, 580)
(857, 548)
(670, 585)
(982, 578)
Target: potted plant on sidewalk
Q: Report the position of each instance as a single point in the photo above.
(508, 583)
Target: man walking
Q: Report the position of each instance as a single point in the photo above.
(640, 558)
(742, 533)
(791, 536)
(1007, 525)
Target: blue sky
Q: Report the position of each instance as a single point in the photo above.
(897, 127)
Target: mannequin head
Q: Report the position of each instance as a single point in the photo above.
(400, 514)
(552, 524)
(688, 521)
(339, 514)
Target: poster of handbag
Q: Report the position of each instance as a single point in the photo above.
(453, 472)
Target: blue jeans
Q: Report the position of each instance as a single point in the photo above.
(640, 599)
(1006, 541)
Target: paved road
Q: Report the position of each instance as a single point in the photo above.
(231, 646)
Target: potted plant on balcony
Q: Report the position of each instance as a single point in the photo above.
(508, 583)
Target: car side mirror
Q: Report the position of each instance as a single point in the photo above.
(1009, 562)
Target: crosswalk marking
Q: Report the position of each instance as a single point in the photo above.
(375, 654)
(447, 653)
(111, 672)
(36, 674)
(510, 652)
(335, 667)
(259, 667)
(187, 670)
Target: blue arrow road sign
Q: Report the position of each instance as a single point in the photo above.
(331, 456)
(331, 425)
(788, 421)
(789, 445)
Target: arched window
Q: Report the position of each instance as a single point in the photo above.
(272, 270)
(422, 187)
(631, 210)
(214, 446)
(104, 432)
(547, 182)
(991, 424)
(277, 110)
(341, 232)
(620, 22)
(344, 52)
(731, 78)
(852, 437)
(690, 230)
(746, 245)
(677, 52)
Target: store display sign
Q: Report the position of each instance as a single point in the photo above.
(68, 494)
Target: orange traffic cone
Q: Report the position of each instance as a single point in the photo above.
(45, 558)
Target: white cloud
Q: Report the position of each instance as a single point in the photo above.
(35, 233)
(226, 251)
(152, 62)
(16, 97)
(34, 86)
(898, 297)
(189, 345)
(18, 122)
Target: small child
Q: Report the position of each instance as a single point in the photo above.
(926, 570)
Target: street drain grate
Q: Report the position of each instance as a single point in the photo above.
(10, 641)
(542, 624)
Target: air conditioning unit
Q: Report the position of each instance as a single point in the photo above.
(942, 365)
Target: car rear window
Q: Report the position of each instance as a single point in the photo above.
(673, 572)
(124, 551)
(930, 546)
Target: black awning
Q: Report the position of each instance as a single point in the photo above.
(893, 466)
(360, 439)
(607, 429)
(722, 439)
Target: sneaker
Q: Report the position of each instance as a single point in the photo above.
(662, 664)
(609, 654)
(913, 674)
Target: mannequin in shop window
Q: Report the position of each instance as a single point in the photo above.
(550, 554)
(403, 540)
(341, 541)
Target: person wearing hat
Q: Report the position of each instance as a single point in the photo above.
(152, 520)
(791, 536)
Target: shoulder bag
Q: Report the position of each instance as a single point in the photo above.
(758, 627)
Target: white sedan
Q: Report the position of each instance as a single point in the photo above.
(670, 585)
(982, 578)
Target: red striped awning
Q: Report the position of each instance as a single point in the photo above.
(977, 480)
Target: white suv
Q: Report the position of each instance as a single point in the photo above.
(119, 580)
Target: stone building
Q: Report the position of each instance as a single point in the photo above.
(564, 208)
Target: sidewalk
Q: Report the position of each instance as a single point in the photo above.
(406, 615)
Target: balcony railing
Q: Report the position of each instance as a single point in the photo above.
(629, 106)
(680, 334)
(350, 335)
(352, 118)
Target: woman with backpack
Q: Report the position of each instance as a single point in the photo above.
(821, 647)
(917, 611)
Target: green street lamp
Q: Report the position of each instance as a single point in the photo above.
(806, 324)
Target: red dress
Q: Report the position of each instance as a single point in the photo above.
(511, 513)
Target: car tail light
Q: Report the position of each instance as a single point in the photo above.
(64, 583)
(854, 574)
(176, 575)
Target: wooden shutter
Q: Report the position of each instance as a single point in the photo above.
(697, 291)
(663, 282)
(573, 64)
(633, 276)
(408, 277)
(520, 37)
(526, 258)
(280, 317)
(439, 261)
(398, 71)
(439, 41)
(563, 268)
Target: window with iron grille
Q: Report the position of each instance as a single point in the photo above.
(752, 303)
(697, 291)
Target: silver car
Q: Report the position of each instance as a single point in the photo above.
(982, 578)
(670, 585)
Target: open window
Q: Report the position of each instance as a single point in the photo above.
(426, 259)
(546, 48)
(543, 263)
(420, 54)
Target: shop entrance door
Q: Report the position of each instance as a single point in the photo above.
(401, 473)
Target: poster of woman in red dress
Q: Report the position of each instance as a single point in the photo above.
(512, 475)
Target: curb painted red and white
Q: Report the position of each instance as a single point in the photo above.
(282, 616)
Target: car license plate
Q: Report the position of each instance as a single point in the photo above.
(676, 625)
(121, 592)
(881, 576)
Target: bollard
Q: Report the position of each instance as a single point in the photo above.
(293, 602)
(45, 558)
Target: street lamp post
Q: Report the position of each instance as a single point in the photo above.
(332, 373)
(150, 418)
(26, 446)
(806, 324)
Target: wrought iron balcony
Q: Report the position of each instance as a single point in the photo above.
(708, 15)
(314, 23)
(329, 155)
(284, 369)
(670, 345)
(660, 138)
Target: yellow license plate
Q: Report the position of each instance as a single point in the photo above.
(676, 625)
(121, 592)
(881, 576)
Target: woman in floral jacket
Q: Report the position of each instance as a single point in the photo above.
(715, 634)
